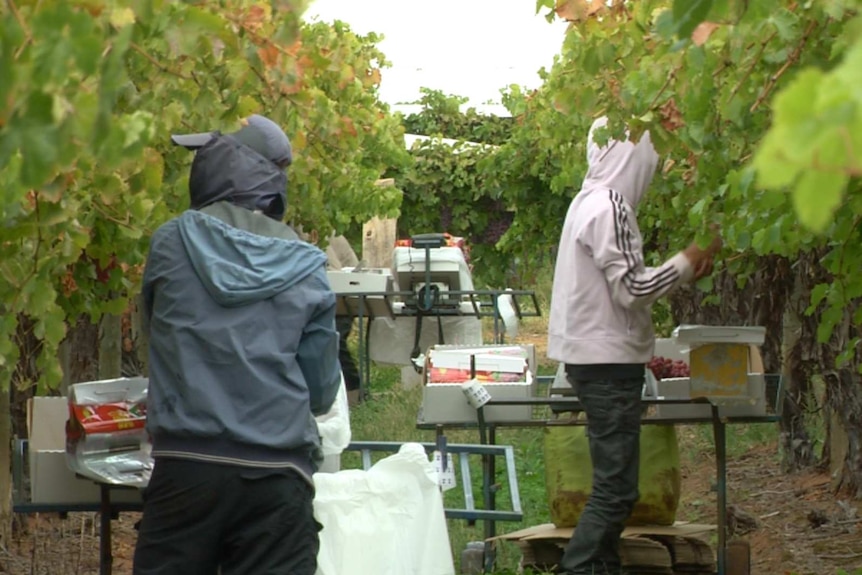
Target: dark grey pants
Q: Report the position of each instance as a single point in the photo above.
(203, 518)
(613, 409)
(349, 369)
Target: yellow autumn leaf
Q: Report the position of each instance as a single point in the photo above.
(577, 10)
(257, 16)
(122, 17)
(372, 77)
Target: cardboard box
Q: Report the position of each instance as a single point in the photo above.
(753, 405)
(493, 364)
(720, 358)
(743, 393)
(529, 350)
(485, 359)
(701, 334)
(446, 402)
(51, 479)
(374, 280)
(367, 280)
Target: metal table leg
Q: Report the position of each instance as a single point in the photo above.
(364, 357)
(718, 430)
(106, 558)
(488, 483)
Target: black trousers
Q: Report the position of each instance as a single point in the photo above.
(203, 519)
(344, 325)
(613, 409)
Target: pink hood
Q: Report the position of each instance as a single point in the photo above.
(624, 167)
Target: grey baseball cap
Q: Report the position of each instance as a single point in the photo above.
(193, 141)
(258, 133)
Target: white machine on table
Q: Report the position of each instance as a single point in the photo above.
(391, 339)
(430, 275)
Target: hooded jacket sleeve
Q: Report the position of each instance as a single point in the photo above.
(318, 355)
(153, 270)
(616, 249)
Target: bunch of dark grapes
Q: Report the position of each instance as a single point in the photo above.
(445, 218)
(663, 367)
(497, 226)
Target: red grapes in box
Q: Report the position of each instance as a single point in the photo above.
(664, 367)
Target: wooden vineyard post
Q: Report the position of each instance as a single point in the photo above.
(140, 341)
(110, 346)
(378, 237)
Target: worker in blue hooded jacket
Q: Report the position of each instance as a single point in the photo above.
(243, 355)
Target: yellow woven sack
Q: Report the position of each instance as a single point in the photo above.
(569, 475)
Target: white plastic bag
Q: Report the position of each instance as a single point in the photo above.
(388, 520)
(334, 425)
(506, 307)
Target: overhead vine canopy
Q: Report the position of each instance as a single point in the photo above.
(755, 107)
(92, 89)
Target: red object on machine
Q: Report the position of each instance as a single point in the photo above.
(451, 242)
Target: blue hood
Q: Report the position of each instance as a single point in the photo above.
(238, 267)
(225, 169)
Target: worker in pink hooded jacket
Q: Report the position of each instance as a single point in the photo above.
(601, 328)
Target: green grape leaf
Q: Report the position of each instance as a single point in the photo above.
(818, 294)
(786, 147)
(817, 195)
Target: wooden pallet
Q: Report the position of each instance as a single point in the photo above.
(675, 550)
(689, 555)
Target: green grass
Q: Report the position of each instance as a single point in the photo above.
(696, 441)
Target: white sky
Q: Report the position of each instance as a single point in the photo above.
(469, 48)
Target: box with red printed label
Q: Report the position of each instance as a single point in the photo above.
(106, 439)
(502, 369)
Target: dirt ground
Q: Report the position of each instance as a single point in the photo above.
(802, 526)
(45, 544)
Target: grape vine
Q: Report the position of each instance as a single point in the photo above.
(449, 188)
(91, 92)
(756, 110)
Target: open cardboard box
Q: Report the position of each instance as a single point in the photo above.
(459, 358)
(446, 402)
(375, 280)
(529, 350)
(748, 397)
(51, 479)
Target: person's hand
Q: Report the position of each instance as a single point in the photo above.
(704, 268)
(716, 243)
(702, 259)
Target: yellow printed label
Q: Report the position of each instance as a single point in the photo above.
(719, 369)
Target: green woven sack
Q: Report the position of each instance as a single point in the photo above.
(569, 475)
